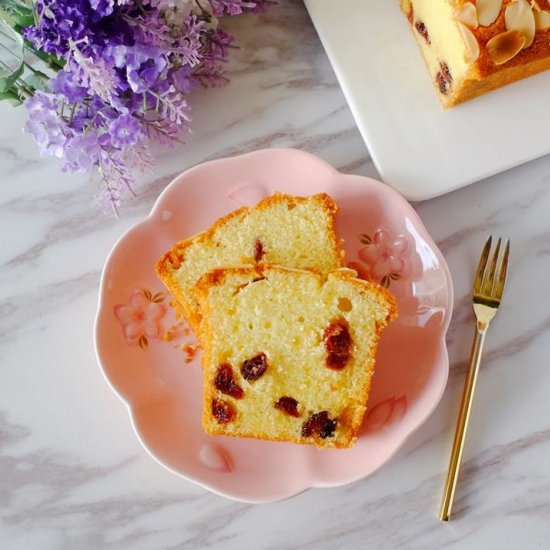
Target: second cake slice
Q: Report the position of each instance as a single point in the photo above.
(281, 229)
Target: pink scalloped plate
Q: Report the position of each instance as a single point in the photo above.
(150, 360)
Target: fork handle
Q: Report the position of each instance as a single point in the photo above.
(462, 423)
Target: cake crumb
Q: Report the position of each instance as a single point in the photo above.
(190, 350)
(168, 335)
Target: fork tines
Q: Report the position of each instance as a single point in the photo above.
(487, 283)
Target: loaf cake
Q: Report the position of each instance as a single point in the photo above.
(288, 355)
(281, 229)
(472, 47)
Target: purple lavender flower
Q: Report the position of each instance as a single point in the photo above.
(59, 22)
(81, 152)
(231, 7)
(63, 84)
(102, 7)
(46, 127)
(162, 131)
(117, 179)
(143, 64)
(125, 130)
(127, 69)
(93, 73)
(189, 42)
(183, 79)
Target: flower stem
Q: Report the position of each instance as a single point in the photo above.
(25, 87)
(71, 116)
(52, 62)
(36, 72)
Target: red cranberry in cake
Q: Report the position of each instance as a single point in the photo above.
(254, 368)
(319, 424)
(225, 382)
(222, 411)
(259, 251)
(422, 31)
(444, 78)
(289, 405)
(338, 344)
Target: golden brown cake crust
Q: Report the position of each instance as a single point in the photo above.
(496, 79)
(172, 260)
(217, 277)
(351, 419)
(484, 74)
(537, 51)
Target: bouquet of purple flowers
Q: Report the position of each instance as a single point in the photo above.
(101, 79)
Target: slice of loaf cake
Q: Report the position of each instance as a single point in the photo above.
(474, 46)
(281, 229)
(289, 354)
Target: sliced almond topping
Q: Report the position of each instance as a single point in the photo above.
(487, 11)
(472, 45)
(519, 17)
(542, 20)
(467, 14)
(505, 46)
(406, 6)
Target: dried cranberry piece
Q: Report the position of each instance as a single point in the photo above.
(319, 424)
(225, 382)
(338, 344)
(289, 405)
(222, 411)
(422, 31)
(328, 429)
(252, 369)
(441, 83)
(444, 68)
(258, 250)
(444, 78)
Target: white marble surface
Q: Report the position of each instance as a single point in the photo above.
(72, 473)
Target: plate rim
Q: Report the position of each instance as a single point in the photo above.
(180, 179)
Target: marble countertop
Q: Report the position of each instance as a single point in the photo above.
(72, 472)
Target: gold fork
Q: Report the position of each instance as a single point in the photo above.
(488, 290)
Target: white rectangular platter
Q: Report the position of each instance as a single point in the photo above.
(418, 147)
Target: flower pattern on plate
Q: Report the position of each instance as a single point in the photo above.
(385, 413)
(140, 318)
(385, 257)
(247, 195)
(216, 458)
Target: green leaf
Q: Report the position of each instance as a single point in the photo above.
(8, 81)
(12, 96)
(50, 60)
(16, 14)
(11, 57)
(35, 82)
